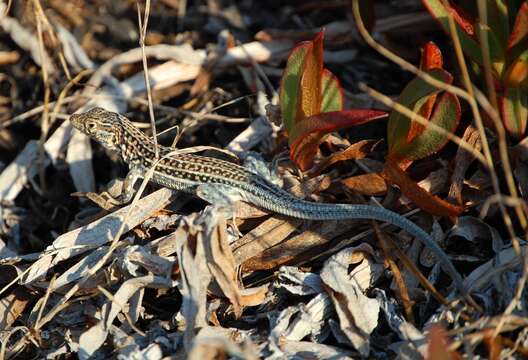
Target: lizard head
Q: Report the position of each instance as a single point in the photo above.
(101, 125)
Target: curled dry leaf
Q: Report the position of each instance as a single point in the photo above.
(93, 338)
(505, 264)
(268, 234)
(358, 314)
(16, 175)
(296, 322)
(298, 282)
(95, 234)
(218, 342)
(300, 247)
(253, 296)
(221, 262)
(12, 306)
(405, 330)
(195, 275)
(477, 231)
(463, 160)
(355, 151)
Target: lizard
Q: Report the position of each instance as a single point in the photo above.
(222, 182)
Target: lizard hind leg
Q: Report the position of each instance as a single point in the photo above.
(255, 162)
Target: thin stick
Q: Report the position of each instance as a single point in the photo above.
(480, 127)
(470, 98)
(45, 114)
(503, 153)
(143, 32)
(60, 100)
(398, 277)
(484, 47)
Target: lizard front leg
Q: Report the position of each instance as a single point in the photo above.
(127, 189)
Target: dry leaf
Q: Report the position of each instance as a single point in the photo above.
(358, 314)
(366, 184)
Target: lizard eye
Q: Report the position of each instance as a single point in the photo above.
(91, 126)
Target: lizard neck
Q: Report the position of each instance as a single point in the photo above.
(135, 146)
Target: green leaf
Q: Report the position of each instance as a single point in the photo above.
(495, 47)
(417, 89)
(445, 115)
(514, 110)
(517, 74)
(333, 99)
(291, 78)
(498, 21)
(469, 45)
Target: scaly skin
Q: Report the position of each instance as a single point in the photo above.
(217, 180)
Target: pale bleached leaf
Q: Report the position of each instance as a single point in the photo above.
(97, 233)
(296, 322)
(92, 339)
(195, 277)
(299, 282)
(16, 175)
(358, 314)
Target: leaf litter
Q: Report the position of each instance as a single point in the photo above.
(184, 282)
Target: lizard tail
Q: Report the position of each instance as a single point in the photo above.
(302, 209)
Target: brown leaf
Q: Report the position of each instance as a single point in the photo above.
(463, 159)
(221, 264)
(398, 277)
(357, 313)
(366, 184)
(493, 343)
(300, 247)
(423, 199)
(355, 151)
(262, 238)
(438, 346)
(254, 296)
(12, 306)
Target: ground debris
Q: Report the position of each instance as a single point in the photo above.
(169, 277)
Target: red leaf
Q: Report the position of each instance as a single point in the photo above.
(358, 150)
(413, 96)
(464, 26)
(520, 28)
(431, 57)
(304, 150)
(493, 343)
(462, 19)
(518, 71)
(308, 133)
(446, 114)
(423, 199)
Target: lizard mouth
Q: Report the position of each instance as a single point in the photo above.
(76, 122)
